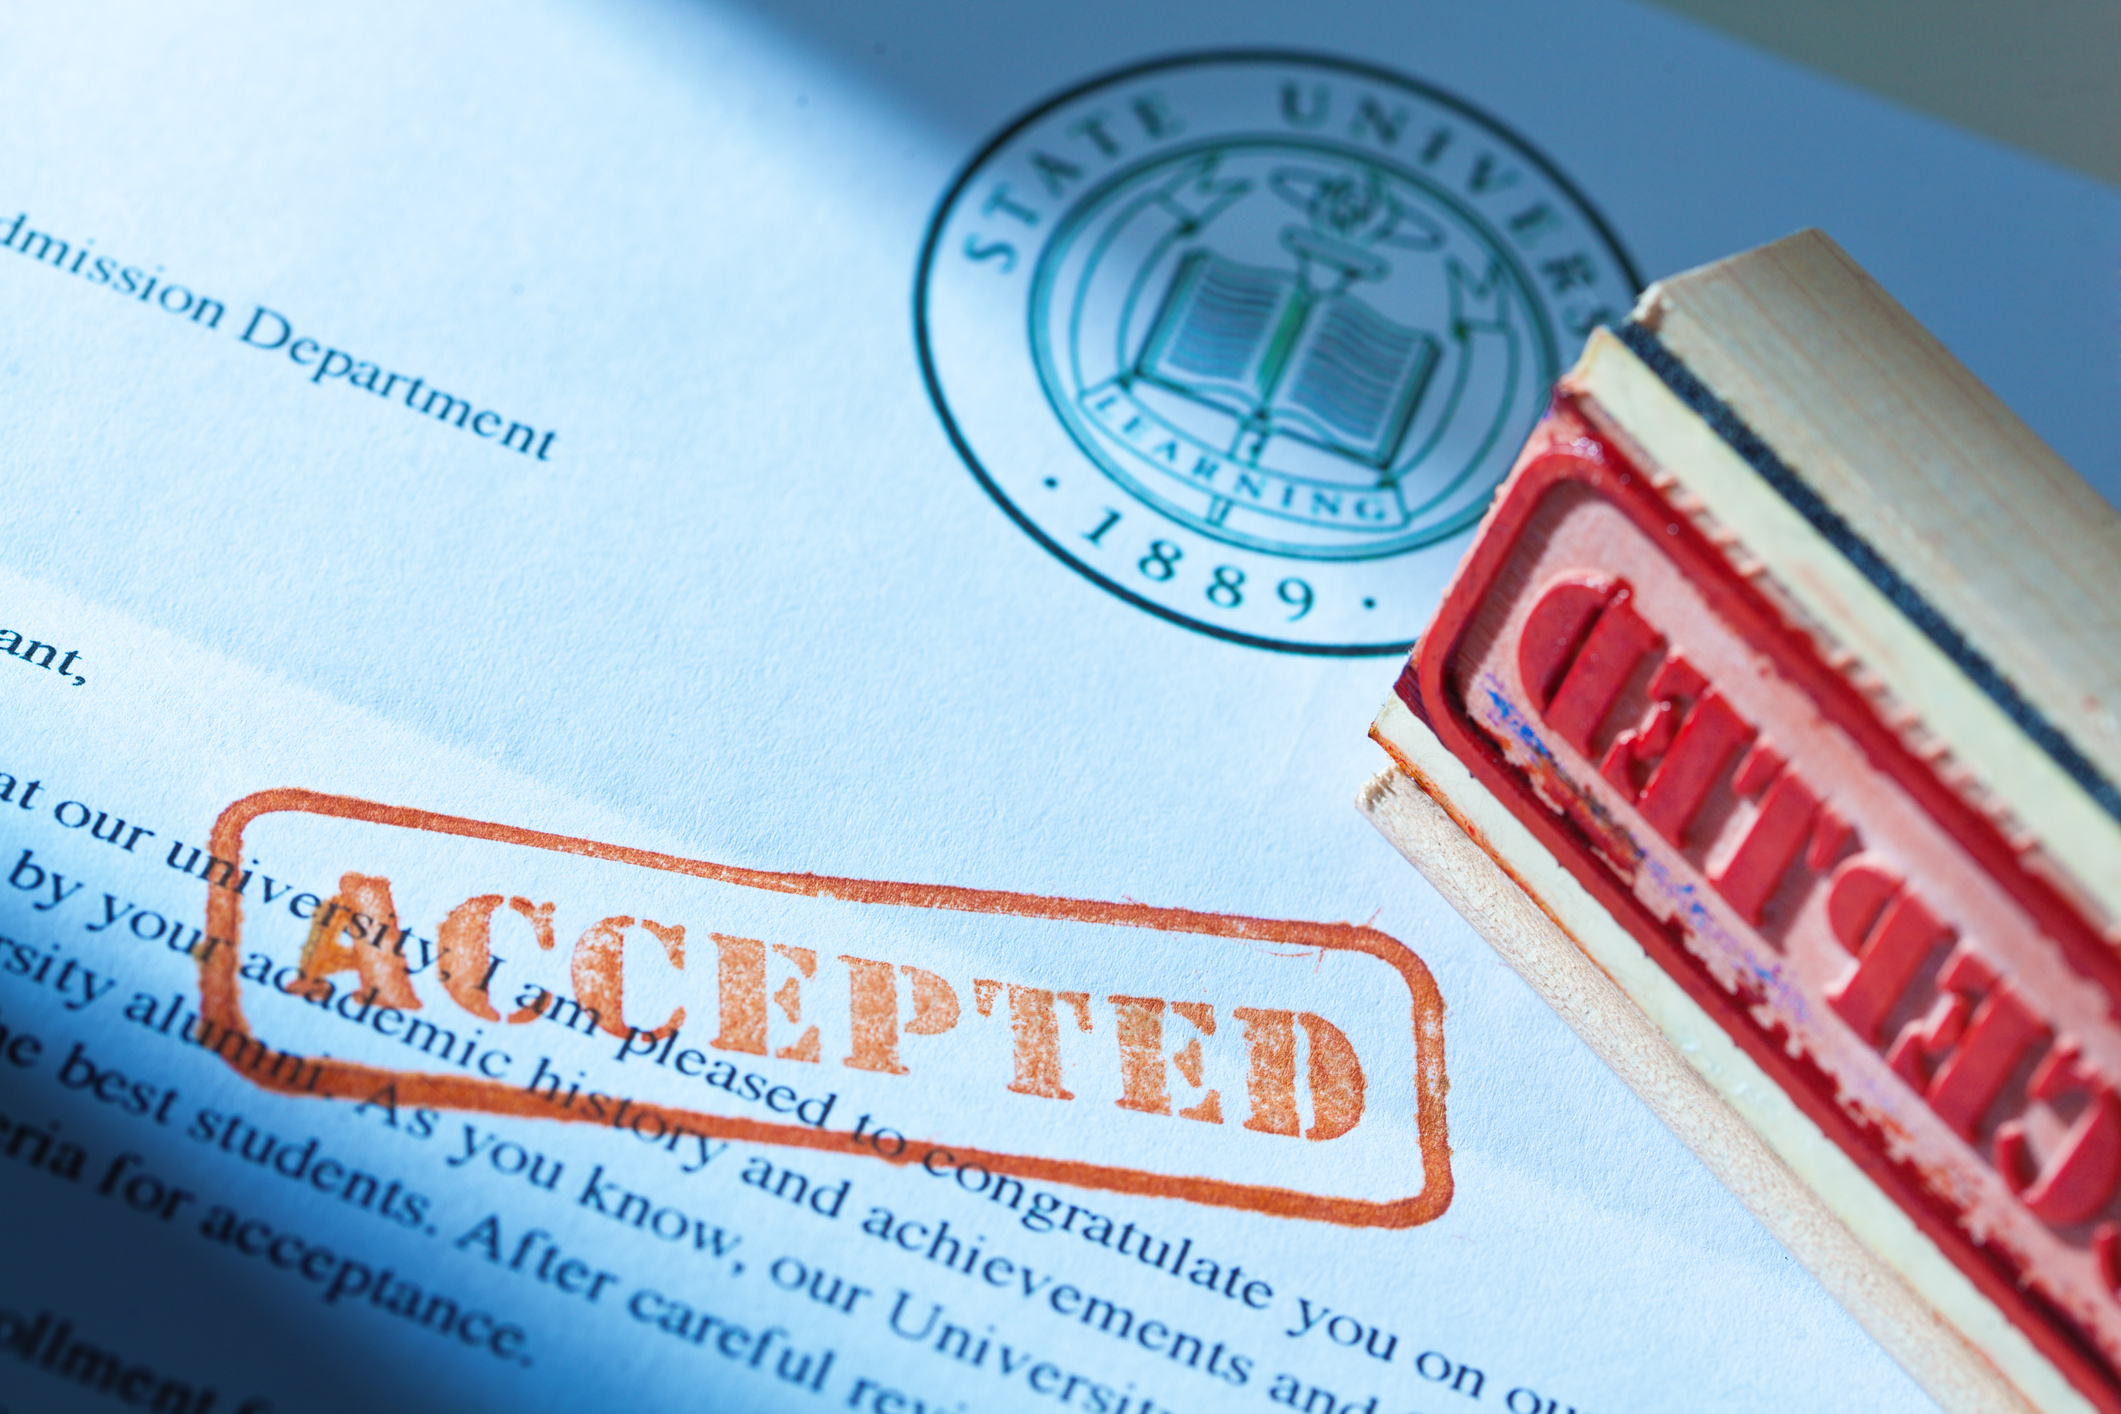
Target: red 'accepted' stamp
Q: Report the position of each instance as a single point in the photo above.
(1284, 1067)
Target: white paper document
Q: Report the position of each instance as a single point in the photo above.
(683, 685)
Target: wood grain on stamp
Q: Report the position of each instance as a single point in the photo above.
(1323, 1070)
(1871, 938)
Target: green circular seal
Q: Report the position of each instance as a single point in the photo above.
(1251, 338)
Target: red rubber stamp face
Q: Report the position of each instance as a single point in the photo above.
(1871, 940)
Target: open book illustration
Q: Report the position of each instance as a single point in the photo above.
(1325, 367)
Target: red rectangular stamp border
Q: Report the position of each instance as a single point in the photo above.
(220, 1004)
(1574, 444)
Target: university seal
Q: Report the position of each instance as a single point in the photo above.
(1250, 339)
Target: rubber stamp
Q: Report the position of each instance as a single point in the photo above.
(1768, 729)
